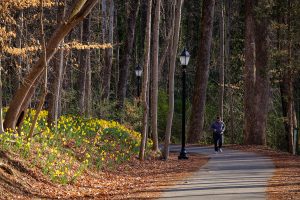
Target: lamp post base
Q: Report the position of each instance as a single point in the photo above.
(183, 155)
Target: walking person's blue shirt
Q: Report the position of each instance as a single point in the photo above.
(218, 127)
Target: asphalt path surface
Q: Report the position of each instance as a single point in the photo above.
(228, 175)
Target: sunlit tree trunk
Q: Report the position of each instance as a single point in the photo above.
(20, 45)
(54, 97)
(88, 84)
(84, 67)
(173, 57)
(145, 88)
(154, 88)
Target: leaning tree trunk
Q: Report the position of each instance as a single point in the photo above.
(154, 88)
(199, 95)
(145, 82)
(21, 99)
(173, 56)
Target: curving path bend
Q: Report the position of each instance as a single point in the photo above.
(226, 176)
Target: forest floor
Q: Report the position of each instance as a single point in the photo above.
(285, 183)
(135, 179)
(132, 180)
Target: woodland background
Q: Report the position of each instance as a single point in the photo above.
(93, 72)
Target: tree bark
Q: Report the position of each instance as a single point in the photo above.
(146, 82)
(1, 94)
(231, 128)
(128, 46)
(199, 95)
(173, 55)
(23, 95)
(249, 73)
(257, 76)
(154, 91)
(45, 90)
(262, 82)
(88, 84)
(222, 59)
(107, 31)
(55, 87)
(84, 68)
(20, 44)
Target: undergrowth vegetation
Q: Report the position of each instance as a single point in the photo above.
(75, 144)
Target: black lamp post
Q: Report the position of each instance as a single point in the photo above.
(184, 60)
(138, 73)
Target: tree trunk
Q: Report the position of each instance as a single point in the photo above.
(173, 56)
(107, 31)
(45, 91)
(154, 91)
(231, 128)
(286, 85)
(85, 66)
(249, 73)
(1, 93)
(23, 95)
(55, 88)
(256, 76)
(222, 60)
(88, 84)
(145, 82)
(199, 95)
(128, 46)
(262, 82)
(20, 45)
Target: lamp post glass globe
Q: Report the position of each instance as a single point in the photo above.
(184, 60)
(138, 71)
(185, 57)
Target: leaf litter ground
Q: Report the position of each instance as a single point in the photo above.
(131, 180)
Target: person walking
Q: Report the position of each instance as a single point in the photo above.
(218, 128)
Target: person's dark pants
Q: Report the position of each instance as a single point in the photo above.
(217, 141)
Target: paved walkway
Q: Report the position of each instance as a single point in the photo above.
(227, 176)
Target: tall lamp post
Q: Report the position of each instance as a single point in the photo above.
(184, 60)
(138, 73)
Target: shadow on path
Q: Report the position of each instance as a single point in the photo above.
(229, 175)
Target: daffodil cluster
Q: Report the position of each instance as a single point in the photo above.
(64, 151)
